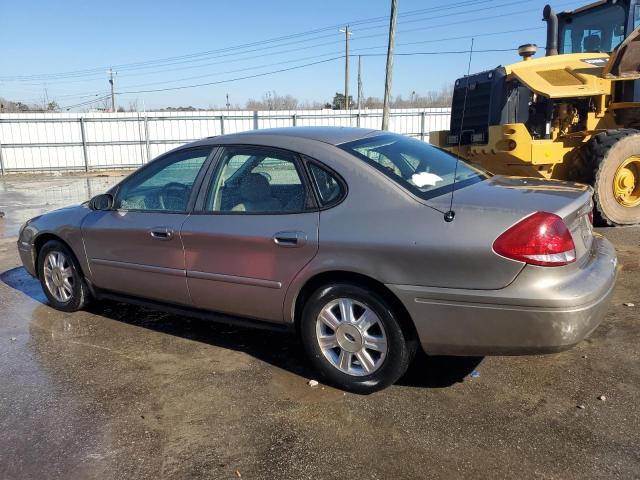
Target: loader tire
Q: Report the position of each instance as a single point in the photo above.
(613, 163)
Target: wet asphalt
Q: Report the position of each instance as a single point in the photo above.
(124, 392)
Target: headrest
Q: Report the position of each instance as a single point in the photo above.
(254, 187)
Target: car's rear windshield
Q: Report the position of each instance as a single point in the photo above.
(421, 168)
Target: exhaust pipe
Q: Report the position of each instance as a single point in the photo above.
(549, 16)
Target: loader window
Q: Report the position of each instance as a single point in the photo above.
(599, 29)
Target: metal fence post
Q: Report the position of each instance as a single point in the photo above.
(255, 120)
(294, 119)
(1, 161)
(221, 124)
(84, 145)
(146, 136)
(422, 118)
(358, 119)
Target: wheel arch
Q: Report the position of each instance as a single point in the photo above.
(343, 276)
(41, 240)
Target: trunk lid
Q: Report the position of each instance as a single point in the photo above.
(510, 199)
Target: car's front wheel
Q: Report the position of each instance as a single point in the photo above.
(354, 338)
(61, 277)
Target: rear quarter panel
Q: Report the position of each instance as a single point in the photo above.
(382, 231)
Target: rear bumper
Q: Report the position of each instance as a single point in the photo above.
(543, 310)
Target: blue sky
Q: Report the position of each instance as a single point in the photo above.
(39, 37)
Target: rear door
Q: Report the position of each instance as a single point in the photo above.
(135, 248)
(256, 228)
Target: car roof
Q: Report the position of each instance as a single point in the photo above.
(330, 135)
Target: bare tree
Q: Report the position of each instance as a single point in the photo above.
(10, 106)
(433, 98)
(273, 101)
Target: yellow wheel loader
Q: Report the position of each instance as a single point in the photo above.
(573, 114)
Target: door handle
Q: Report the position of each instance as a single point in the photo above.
(161, 233)
(290, 239)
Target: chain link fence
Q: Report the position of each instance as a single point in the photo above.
(101, 141)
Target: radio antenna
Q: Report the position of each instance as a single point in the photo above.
(450, 215)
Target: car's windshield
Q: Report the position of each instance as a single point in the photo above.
(599, 29)
(423, 169)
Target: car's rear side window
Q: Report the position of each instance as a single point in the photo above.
(421, 168)
(329, 188)
(257, 180)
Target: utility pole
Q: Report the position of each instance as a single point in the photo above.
(389, 73)
(228, 104)
(346, 66)
(359, 81)
(45, 99)
(113, 95)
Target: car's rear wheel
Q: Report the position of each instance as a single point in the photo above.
(61, 277)
(354, 338)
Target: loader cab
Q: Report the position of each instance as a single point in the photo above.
(598, 27)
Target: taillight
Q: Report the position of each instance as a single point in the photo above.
(540, 239)
(590, 214)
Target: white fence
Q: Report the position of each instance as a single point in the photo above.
(94, 141)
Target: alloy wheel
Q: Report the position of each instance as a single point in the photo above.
(58, 276)
(351, 337)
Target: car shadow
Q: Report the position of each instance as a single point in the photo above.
(280, 349)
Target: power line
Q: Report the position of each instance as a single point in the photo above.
(328, 43)
(82, 104)
(359, 38)
(302, 48)
(450, 52)
(327, 54)
(131, 65)
(182, 87)
(329, 59)
(147, 64)
(81, 95)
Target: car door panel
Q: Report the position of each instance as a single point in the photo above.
(135, 248)
(241, 261)
(125, 257)
(235, 266)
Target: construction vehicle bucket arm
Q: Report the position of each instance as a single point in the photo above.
(624, 63)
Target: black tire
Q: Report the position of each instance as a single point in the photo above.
(79, 296)
(604, 154)
(401, 344)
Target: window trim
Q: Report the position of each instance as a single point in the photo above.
(195, 188)
(216, 164)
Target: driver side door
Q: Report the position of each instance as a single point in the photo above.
(135, 248)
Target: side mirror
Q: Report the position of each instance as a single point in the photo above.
(101, 202)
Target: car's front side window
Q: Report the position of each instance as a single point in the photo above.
(250, 180)
(164, 186)
(421, 168)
